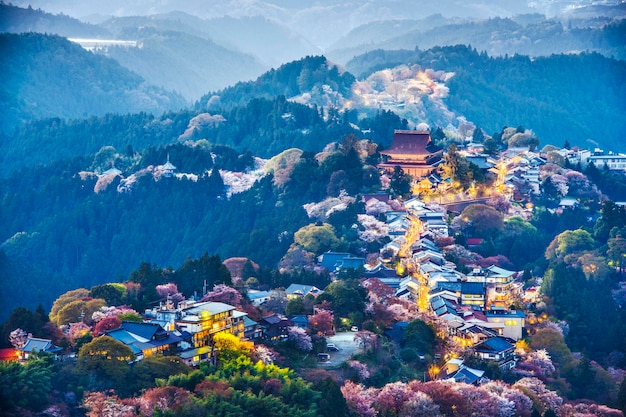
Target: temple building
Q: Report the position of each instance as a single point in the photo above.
(168, 168)
(413, 151)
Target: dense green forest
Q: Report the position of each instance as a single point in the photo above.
(49, 76)
(573, 97)
(63, 221)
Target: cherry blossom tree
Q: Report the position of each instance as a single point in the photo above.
(403, 311)
(18, 338)
(101, 404)
(373, 230)
(163, 398)
(223, 294)
(450, 402)
(320, 211)
(483, 402)
(75, 331)
(367, 340)
(170, 291)
(522, 405)
(322, 322)
(107, 323)
(536, 390)
(588, 410)
(377, 291)
(537, 364)
(265, 354)
(361, 369)
(113, 311)
(376, 208)
(392, 397)
(359, 399)
(499, 202)
(420, 405)
(301, 338)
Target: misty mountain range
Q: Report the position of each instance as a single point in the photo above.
(199, 51)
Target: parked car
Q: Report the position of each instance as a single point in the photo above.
(332, 348)
(354, 329)
(323, 357)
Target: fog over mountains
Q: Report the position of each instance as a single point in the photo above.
(322, 22)
(196, 49)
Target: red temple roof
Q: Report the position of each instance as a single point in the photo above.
(411, 142)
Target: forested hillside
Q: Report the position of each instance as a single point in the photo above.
(49, 76)
(573, 97)
(254, 116)
(305, 76)
(15, 19)
(64, 219)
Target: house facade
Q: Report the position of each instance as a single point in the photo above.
(35, 345)
(147, 339)
(497, 349)
(203, 320)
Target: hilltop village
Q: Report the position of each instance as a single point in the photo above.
(425, 307)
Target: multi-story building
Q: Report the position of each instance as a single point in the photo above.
(205, 319)
(499, 283)
(413, 151)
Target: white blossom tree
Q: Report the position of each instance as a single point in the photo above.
(18, 338)
(301, 338)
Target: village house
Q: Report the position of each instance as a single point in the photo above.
(275, 327)
(301, 291)
(252, 330)
(456, 370)
(35, 345)
(335, 262)
(464, 293)
(497, 349)
(201, 319)
(499, 283)
(147, 339)
(258, 298)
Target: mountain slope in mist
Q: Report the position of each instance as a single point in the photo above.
(49, 76)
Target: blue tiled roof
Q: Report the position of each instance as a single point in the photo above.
(330, 260)
(462, 287)
(122, 336)
(300, 289)
(465, 375)
(34, 344)
(494, 344)
(144, 330)
(248, 322)
(350, 262)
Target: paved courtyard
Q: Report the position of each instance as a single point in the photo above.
(347, 347)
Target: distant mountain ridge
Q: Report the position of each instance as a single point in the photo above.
(15, 19)
(321, 22)
(185, 63)
(49, 76)
(532, 35)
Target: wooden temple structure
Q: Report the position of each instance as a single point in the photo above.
(413, 151)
